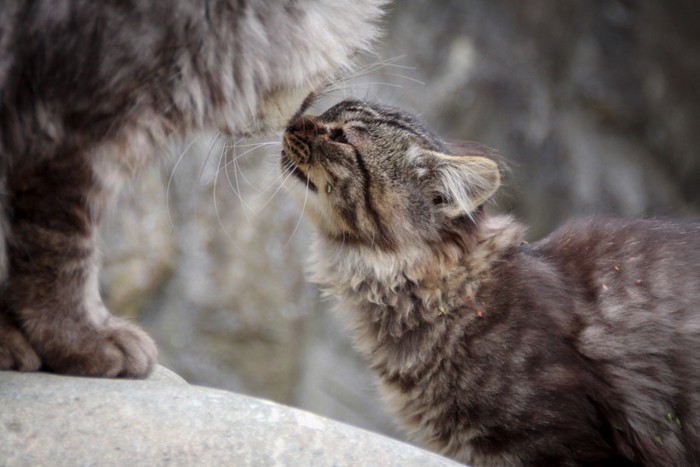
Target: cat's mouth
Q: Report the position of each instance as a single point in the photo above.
(289, 165)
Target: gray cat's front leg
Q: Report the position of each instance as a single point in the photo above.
(52, 287)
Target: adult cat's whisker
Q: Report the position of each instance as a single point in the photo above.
(378, 65)
(347, 90)
(353, 79)
(378, 84)
(406, 77)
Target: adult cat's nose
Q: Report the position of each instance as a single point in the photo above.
(306, 125)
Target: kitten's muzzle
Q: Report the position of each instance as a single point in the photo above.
(289, 163)
(299, 136)
(297, 148)
(296, 154)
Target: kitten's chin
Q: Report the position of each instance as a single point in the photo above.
(300, 189)
(326, 224)
(289, 167)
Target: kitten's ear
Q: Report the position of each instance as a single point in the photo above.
(460, 184)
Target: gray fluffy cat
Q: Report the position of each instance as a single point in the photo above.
(580, 349)
(89, 91)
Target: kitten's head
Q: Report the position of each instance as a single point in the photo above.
(377, 176)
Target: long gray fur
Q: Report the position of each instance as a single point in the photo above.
(90, 91)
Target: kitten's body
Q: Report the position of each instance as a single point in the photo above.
(89, 91)
(580, 349)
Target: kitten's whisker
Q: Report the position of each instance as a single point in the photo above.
(245, 179)
(235, 158)
(273, 183)
(206, 160)
(247, 210)
(257, 145)
(250, 149)
(227, 146)
(301, 215)
(172, 175)
(234, 189)
(214, 196)
(286, 173)
(224, 166)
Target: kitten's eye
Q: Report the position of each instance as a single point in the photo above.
(440, 200)
(337, 135)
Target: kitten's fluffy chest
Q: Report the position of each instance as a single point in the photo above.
(403, 308)
(413, 286)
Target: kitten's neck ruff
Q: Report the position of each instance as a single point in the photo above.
(413, 285)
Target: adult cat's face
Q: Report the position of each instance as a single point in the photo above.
(377, 176)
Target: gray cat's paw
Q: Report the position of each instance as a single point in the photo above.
(16, 353)
(118, 349)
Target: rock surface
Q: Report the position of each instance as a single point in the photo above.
(56, 420)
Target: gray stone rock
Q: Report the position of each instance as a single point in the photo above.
(57, 420)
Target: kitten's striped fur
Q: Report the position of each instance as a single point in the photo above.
(580, 349)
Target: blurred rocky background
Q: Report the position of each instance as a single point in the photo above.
(596, 103)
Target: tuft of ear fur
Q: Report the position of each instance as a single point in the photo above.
(460, 184)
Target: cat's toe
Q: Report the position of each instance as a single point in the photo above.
(16, 353)
(119, 349)
(138, 352)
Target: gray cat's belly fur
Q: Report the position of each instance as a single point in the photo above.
(89, 91)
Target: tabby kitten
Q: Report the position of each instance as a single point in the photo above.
(89, 90)
(580, 349)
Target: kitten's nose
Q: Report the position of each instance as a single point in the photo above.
(306, 125)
